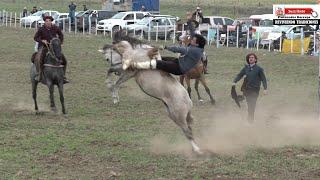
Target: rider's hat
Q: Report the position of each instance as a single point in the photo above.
(47, 17)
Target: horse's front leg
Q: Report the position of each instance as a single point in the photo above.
(34, 94)
(196, 87)
(51, 89)
(108, 79)
(60, 87)
(113, 69)
(204, 83)
(125, 76)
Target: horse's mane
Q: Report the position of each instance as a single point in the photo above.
(107, 46)
(121, 36)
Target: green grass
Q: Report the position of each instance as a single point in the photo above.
(135, 139)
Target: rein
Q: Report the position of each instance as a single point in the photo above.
(111, 59)
(51, 53)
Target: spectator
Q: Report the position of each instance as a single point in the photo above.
(143, 8)
(254, 75)
(72, 11)
(85, 8)
(34, 10)
(197, 15)
(190, 25)
(24, 12)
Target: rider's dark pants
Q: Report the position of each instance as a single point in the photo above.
(171, 66)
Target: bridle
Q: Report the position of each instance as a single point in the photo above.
(53, 55)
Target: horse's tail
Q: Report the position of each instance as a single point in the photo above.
(189, 118)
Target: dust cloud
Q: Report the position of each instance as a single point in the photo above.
(226, 130)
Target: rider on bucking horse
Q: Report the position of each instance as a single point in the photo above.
(43, 36)
(190, 57)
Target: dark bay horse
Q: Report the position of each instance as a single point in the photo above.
(155, 83)
(196, 73)
(53, 74)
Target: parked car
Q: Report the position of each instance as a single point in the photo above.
(94, 16)
(215, 22)
(262, 23)
(290, 31)
(161, 24)
(33, 19)
(120, 20)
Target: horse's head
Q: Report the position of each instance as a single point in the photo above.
(111, 55)
(122, 47)
(55, 49)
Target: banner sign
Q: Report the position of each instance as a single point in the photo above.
(296, 14)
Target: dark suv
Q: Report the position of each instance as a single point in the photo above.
(94, 16)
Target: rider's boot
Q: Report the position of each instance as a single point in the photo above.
(152, 64)
(126, 63)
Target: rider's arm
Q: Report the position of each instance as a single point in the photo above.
(177, 49)
(37, 36)
(240, 75)
(59, 32)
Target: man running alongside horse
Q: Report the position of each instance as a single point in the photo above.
(190, 57)
(43, 36)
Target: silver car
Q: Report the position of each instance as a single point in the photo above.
(161, 26)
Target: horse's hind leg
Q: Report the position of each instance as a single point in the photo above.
(204, 83)
(184, 122)
(34, 94)
(60, 88)
(51, 89)
(196, 86)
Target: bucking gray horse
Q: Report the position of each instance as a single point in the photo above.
(53, 74)
(155, 83)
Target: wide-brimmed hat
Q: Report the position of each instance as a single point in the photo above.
(47, 17)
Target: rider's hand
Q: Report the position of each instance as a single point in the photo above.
(44, 41)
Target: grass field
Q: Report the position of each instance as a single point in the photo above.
(136, 139)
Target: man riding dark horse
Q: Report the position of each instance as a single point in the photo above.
(43, 36)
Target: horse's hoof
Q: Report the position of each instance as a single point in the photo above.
(115, 101)
(213, 102)
(54, 109)
(198, 152)
(201, 101)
